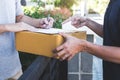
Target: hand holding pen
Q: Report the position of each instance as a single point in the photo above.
(47, 23)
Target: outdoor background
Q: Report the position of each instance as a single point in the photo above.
(62, 9)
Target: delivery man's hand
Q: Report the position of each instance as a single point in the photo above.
(70, 47)
(77, 21)
(46, 23)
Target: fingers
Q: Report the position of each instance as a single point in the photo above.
(51, 20)
(76, 21)
(62, 55)
(44, 22)
(70, 57)
(47, 23)
(50, 23)
(73, 18)
(60, 48)
(66, 56)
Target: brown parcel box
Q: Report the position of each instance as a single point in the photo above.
(41, 44)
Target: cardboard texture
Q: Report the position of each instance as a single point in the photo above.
(41, 44)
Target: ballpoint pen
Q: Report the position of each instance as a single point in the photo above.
(48, 17)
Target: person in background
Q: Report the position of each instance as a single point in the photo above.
(23, 2)
(110, 32)
(12, 19)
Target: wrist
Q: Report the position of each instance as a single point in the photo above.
(87, 22)
(6, 28)
(89, 47)
(38, 23)
(3, 28)
(10, 27)
(84, 45)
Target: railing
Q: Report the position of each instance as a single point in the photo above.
(44, 68)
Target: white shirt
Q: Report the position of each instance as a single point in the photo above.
(9, 59)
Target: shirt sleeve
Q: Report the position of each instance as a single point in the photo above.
(18, 8)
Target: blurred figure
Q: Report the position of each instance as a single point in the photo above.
(23, 2)
(12, 19)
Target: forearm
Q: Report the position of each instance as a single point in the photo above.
(28, 20)
(105, 52)
(97, 28)
(8, 27)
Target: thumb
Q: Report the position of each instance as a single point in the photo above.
(64, 35)
(82, 24)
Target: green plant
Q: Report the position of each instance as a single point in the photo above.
(59, 14)
(65, 3)
(33, 0)
(58, 3)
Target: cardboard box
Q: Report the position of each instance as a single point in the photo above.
(41, 44)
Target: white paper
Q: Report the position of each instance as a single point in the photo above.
(52, 31)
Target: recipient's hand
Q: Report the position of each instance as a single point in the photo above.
(46, 23)
(71, 47)
(21, 26)
(76, 21)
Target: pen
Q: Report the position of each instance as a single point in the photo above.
(48, 17)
